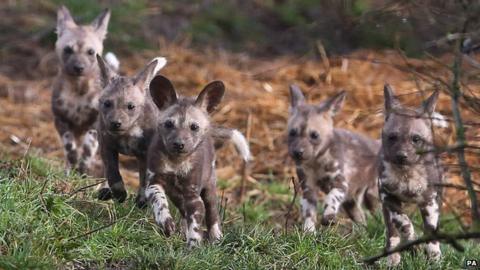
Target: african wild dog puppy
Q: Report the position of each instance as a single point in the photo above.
(126, 125)
(181, 160)
(409, 172)
(77, 87)
(339, 162)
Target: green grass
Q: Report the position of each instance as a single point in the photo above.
(43, 227)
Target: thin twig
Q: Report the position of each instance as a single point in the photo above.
(86, 187)
(42, 199)
(102, 227)
(95, 230)
(429, 238)
(292, 203)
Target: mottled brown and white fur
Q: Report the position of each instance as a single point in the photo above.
(126, 127)
(339, 162)
(409, 172)
(76, 88)
(181, 160)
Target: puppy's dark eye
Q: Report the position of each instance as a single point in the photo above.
(130, 106)
(314, 135)
(68, 50)
(169, 124)
(107, 104)
(292, 133)
(194, 127)
(416, 139)
(392, 137)
(91, 52)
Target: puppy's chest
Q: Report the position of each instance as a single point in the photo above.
(408, 184)
(134, 144)
(77, 108)
(179, 170)
(324, 173)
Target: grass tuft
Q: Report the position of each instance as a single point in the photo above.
(43, 227)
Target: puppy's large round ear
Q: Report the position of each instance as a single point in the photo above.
(211, 96)
(162, 92)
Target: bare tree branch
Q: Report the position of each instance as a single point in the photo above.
(460, 132)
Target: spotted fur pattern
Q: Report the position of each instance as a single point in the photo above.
(338, 162)
(77, 87)
(409, 173)
(125, 125)
(181, 157)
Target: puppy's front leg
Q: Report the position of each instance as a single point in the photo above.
(209, 197)
(195, 209)
(89, 151)
(334, 199)
(308, 202)
(141, 199)
(69, 144)
(112, 173)
(430, 214)
(156, 196)
(392, 238)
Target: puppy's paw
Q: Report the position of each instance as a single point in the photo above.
(168, 227)
(105, 194)
(193, 242)
(141, 201)
(433, 251)
(328, 220)
(119, 195)
(393, 260)
(215, 233)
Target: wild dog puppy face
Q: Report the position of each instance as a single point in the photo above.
(123, 98)
(184, 122)
(407, 132)
(77, 45)
(310, 127)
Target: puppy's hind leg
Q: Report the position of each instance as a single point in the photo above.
(354, 211)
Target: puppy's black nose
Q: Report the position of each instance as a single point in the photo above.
(78, 69)
(115, 125)
(298, 154)
(401, 157)
(178, 145)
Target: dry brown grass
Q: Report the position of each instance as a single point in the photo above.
(255, 88)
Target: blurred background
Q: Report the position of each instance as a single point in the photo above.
(257, 48)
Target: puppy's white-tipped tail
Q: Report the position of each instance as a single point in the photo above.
(439, 120)
(241, 144)
(161, 62)
(112, 61)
